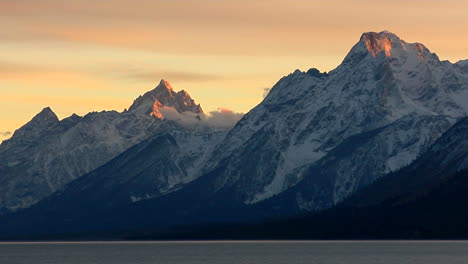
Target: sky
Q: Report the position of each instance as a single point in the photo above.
(86, 55)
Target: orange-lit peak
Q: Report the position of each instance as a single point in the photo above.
(419, 49)
(165, 84)
(164, 96)
(156, 110)
(379, 42)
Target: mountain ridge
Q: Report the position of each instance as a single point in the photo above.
(315, 140)
(46, 153)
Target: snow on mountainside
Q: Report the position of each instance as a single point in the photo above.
(446, 157)
(382, 83)
(46, 153)
(316, 139)
(161, 164)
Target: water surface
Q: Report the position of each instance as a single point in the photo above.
(239, 252)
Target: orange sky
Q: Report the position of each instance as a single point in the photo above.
(87, 55)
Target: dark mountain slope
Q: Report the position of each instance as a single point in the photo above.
(426, 199)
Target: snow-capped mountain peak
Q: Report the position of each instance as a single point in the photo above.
(163, 84)
(385, 86)
(388, 46)
(380, 42)
(164, 96)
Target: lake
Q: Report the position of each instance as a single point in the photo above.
(239, 252)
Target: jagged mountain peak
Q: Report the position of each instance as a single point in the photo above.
(163, 95)
(165, 84)
(45, 119)
(46, 113)
(163, 89)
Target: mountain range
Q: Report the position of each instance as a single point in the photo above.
(45, 154)
(385, 129)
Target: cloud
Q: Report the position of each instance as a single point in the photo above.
(266, 91)
(148, 73)
(222, 118)
(5, 133)
(143, 75)
(13, 69)
(10, 67)
(185, 118)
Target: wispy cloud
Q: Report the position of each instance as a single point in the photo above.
(151, 73)
(144, 75)
(10, 67)
(4, 134)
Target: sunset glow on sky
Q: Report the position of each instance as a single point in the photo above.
(86, 55)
